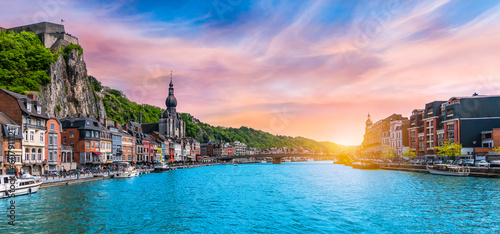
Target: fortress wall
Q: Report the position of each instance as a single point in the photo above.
(48, 40)
(39, 28)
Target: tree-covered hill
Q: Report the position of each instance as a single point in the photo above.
(24, 62)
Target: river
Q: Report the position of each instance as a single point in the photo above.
(302, 197)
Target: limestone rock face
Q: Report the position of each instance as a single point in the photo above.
(69, 91)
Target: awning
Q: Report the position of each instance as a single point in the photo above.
(98, 153)
(199, 157)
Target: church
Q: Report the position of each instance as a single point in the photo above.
(170, 123)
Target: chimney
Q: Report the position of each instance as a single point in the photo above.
(116, 124)
(106, 123)
(126, 127)
(79, 114)
(99, 119)
(31, 96)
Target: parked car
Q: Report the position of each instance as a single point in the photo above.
(438, 162)
(449, 161)
(482, 163)
(469, 162)
(53, 172)
(459, 162)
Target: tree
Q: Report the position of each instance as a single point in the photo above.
(449, 149)
(497, 149)
(24, 62)
(409, 153)
(389, 152)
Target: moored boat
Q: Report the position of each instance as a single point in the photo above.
(20, 186)
(126, 171)
(449, 170)
(365, 165)
(161, 167)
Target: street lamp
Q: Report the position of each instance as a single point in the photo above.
(474, 150)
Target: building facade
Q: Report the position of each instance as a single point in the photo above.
(10, 144)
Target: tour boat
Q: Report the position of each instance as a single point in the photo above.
(126, 171)
(161, 166)
(450, 170)
(365, 165)
(21, 186)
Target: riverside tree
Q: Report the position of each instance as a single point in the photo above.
(449, 149)
(409, 153)
(389, 152)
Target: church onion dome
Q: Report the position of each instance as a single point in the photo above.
(171, 101)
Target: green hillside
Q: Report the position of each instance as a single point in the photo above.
(24, 62)
(122, 110)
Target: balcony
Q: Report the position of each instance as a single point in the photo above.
(36, 126)
(53, 162)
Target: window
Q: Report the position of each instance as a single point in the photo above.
(32, 136)
(71, 134)
(38, 122)
(41, 137)
(97, 144)
(87, 144)
(93, 144)
(55, 140)
(50, 140)
(52, 126)
(64, 139)
(72, 145)
(38, 109)
(87, 133)
(33, 152)
(26, 136)
(28, 106)
(26, 154)
(39, 154)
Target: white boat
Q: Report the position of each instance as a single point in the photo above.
(161, 166)
(263, 161)
(126, 171)
(449, 170)
(21, 186)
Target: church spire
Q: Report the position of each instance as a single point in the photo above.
(171, 83)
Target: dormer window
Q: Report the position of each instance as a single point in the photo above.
(38, 109)
(28, 106)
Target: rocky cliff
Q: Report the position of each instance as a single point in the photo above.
(69, 91)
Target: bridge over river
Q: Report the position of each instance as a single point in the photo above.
(277, 157)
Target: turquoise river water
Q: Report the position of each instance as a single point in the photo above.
(307, 197)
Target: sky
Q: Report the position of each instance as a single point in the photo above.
(298, 68)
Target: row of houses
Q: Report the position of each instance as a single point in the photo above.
(473, 122)
(38, 142)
